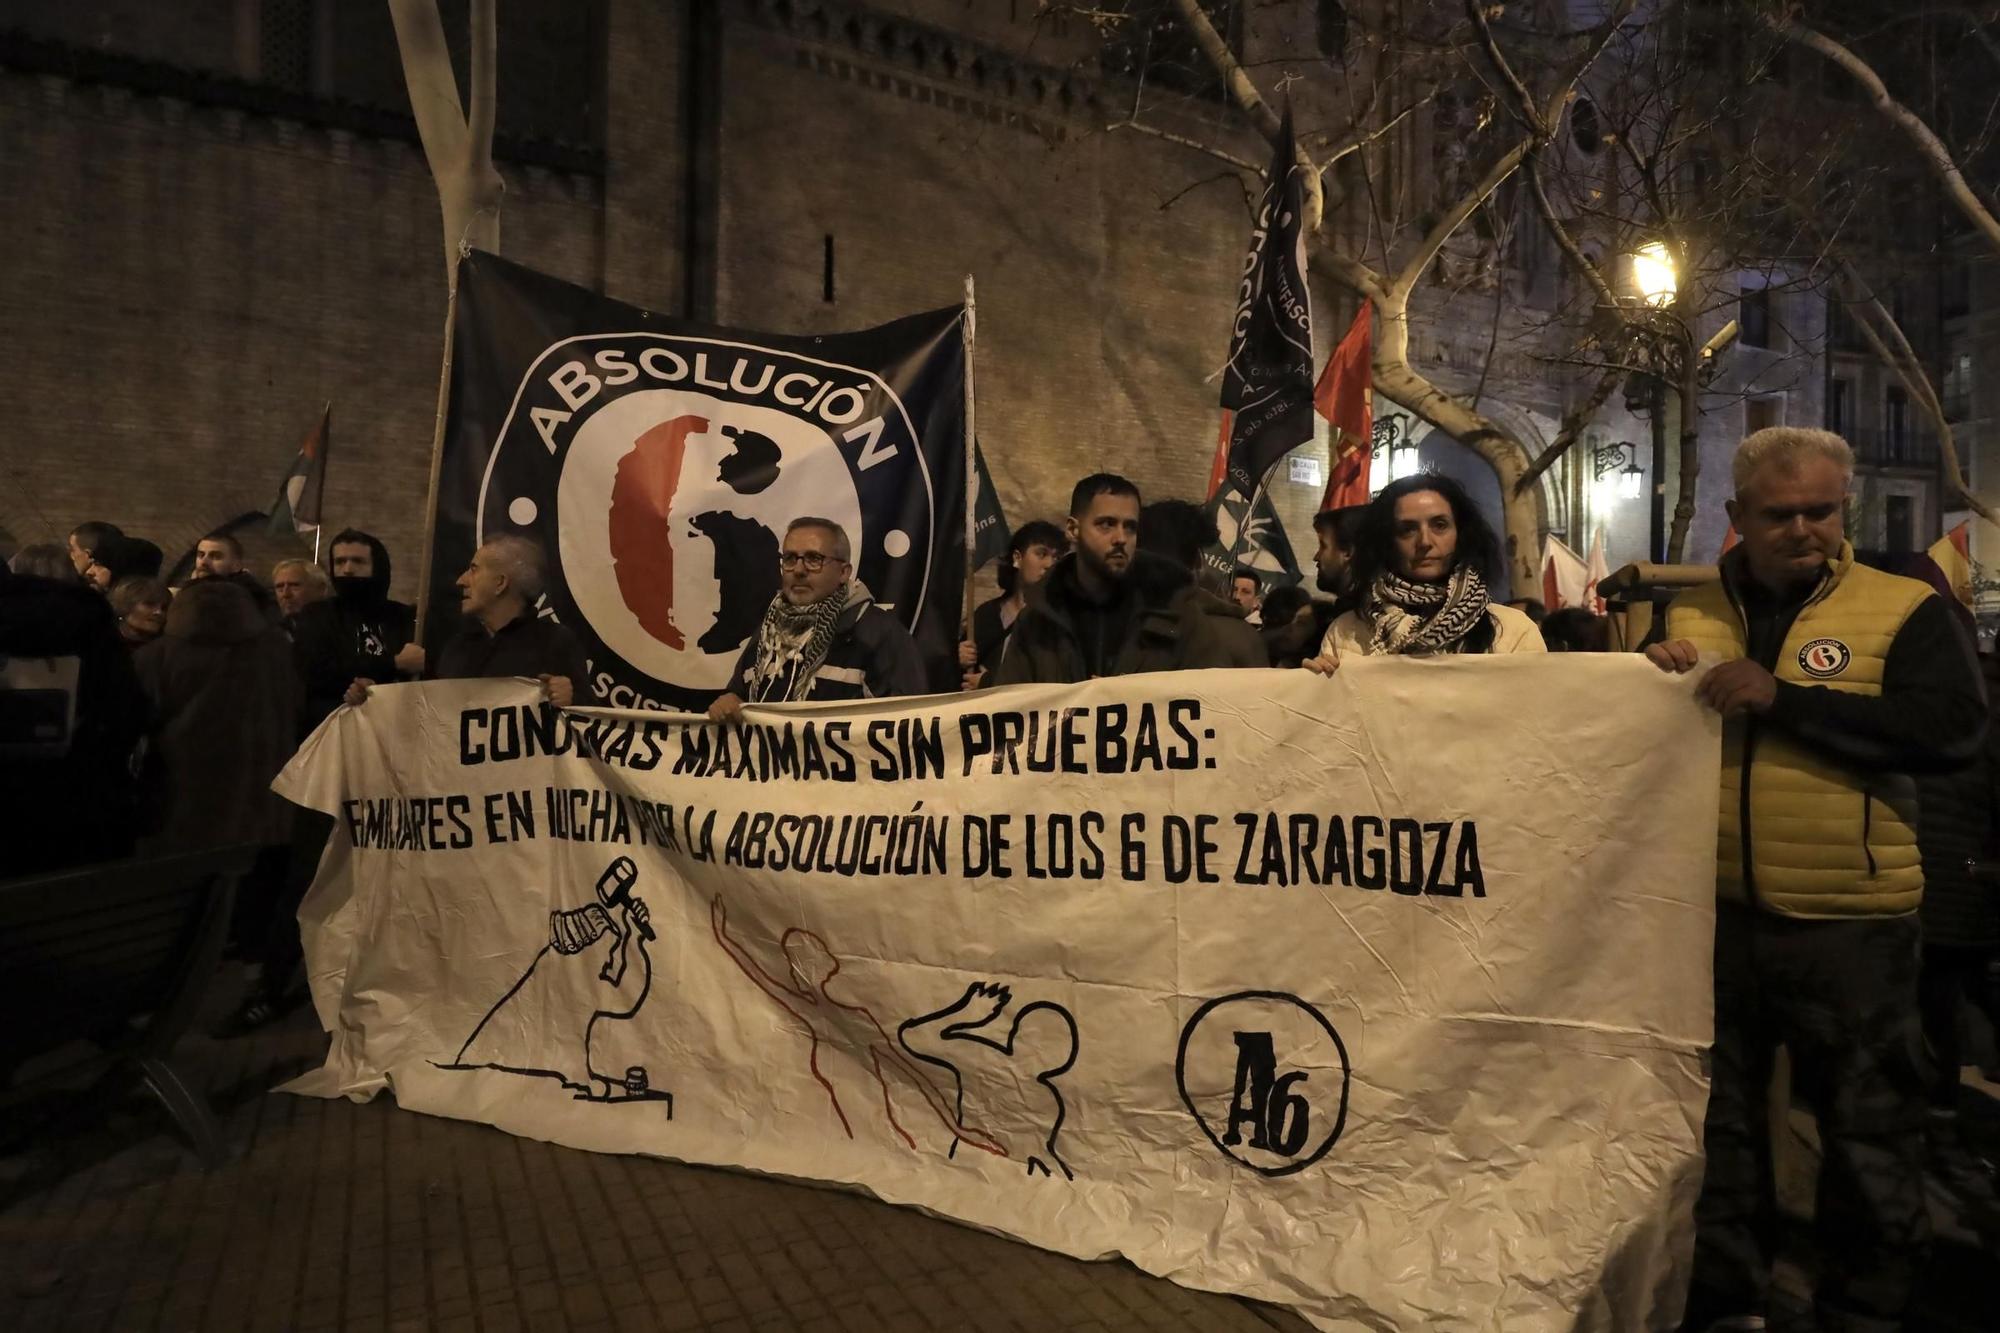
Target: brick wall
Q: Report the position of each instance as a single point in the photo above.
(184, 287)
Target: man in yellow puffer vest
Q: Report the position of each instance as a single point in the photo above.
(1836, 682)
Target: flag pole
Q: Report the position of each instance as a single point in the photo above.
(971, 461)
(437, 453)
(325, 463)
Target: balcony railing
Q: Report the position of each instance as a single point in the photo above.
(1878, 447)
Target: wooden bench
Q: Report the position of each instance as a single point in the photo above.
(114, 961)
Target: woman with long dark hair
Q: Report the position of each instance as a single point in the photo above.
(1424, 561)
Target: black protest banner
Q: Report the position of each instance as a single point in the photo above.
(658, 463)
(1268, 383)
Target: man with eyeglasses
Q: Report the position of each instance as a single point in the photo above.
(822, 637)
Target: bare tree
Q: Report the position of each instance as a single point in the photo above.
(1384, 258)
(457, 138)
(1878, 326)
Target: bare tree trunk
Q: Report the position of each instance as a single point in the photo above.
(458, 143)
(1689, 394)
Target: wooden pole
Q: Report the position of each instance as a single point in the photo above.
(971, 460)
(437, 457)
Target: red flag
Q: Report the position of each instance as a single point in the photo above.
(1218, 471)
(1344, 397)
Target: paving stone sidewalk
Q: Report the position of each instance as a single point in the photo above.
(366, 1217)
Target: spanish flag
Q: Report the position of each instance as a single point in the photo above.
(1950, 553)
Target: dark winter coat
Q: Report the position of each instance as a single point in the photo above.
(1959, 835)
(872, 657)
(81, 805)
(353, 635)
(1159, 621)
(225, 698)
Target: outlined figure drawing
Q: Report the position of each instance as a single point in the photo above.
(592, 977)
(804, 991)
(1010, 1079)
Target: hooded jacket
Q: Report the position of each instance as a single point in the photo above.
(355, 634)
(224, 699)
(872, 656)
(1159, 620)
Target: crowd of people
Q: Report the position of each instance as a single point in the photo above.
(1848, 931)
(179, 706)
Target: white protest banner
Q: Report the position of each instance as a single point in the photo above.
(1383, 996)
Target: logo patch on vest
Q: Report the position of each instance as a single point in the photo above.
(1824, 657)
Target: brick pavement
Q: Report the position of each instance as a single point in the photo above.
(365, 1217)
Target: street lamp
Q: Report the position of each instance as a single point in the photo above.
(1658, 285)
(1653, 274)
(1616, 472)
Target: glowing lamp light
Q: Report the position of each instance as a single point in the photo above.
(1631, 482)
(1653, 274)
(1403, 463)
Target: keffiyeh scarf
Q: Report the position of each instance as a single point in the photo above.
(1419, 619)
(792, 643)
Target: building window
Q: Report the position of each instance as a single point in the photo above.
(1840, 406)
(1958, 387)
(1900, 536)
(1332, 29)
(284, 44)
(1762, 414)
(1896, 420)
(1585, 130)
(1755, 316)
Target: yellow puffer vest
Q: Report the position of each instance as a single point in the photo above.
(1822, 841)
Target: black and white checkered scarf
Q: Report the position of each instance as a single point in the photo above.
(1421, 619)
(793, 641)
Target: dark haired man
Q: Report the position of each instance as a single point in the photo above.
(822, 637)
(358, 633)
(217, 555)
(1335, 529)
(1107, 609)
(84, 540)
(1030, 556)
(1246, 589)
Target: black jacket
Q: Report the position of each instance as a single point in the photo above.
(1159, 620)
(82, 805)
(1957, 835)
(355, 634)
(225, 699)
(989, 634)
(528, 645)
(872, 657)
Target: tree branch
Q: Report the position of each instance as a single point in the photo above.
(1929, 146)
(1571, 428)
(1185, 141)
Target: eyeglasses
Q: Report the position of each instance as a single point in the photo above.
(811, 561)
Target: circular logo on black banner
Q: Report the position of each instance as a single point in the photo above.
(660, 472)
(1824, 657)
(1265, 1076)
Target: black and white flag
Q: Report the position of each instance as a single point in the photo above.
(1268, 383)
(658, 462)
